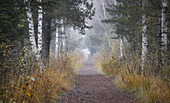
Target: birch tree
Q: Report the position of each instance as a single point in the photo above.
(40, 17)
(56, 40)
(35, 48)
(31, 27)
(63, 36)
(144, 35)
(163, 32)
(39, 49)
(121, 46)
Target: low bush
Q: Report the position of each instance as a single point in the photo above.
(107, 63)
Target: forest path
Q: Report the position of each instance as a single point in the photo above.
(92, 87)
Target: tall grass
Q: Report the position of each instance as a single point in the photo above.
(147, 87)
(77, 59)
(27, 84)
(106, 63)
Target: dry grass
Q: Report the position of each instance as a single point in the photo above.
(36, 87)
(77, 59)
(147, 87)
(107, 63)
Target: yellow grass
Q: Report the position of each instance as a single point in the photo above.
(106, 63)
(147, 88)
(38, 87)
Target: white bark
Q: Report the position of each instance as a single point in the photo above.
(121, 47)
(32, 35)
(40, 17)
(64, 41)
(39, 49)
(56, 40)
(163, 32)
(63, 36)
(31, 28)
(144, 37)
(59, 37)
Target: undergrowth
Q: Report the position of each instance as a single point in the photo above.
(147, 86)
(106, 63)
(24, 83)
(77, 59)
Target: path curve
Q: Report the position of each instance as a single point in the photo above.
(92, 87)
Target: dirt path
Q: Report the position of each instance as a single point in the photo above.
(92, 87)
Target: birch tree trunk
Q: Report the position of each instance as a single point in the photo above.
(64, 38)
(163, 33)
(56, 40)
(31, 28)
(59, 37)
(64, 41)
(32, 35)
(39, 49)
(144, 36)
(40, 17)
(121, 47)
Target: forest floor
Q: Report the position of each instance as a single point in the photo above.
(92, 87)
